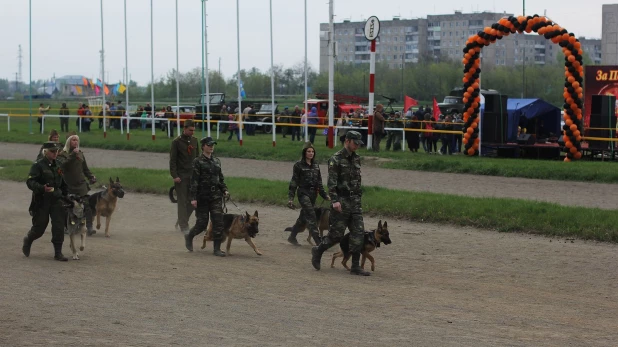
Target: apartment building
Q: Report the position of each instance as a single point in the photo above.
(436, 37)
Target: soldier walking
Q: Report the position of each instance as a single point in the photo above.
(184, 150)
(307, 180)
(344, 188)
(48, 188)
(207, 190)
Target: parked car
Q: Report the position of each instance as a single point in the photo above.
(186, 112)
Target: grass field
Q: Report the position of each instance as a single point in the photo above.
(487, 213)
(260, 147)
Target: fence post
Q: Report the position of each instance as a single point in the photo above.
(121, 125)
(43, 124)
(128, 127)
(218, 130)
(403, 139)
(168, 129)
(8, 119)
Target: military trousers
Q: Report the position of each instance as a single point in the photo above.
(307, 213)
(351, 217)
(209, 208)
(185, 209)
(49, 207)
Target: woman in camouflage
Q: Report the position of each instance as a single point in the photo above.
(307, 181)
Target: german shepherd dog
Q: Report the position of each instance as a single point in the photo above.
(75, 221)
(322, 215)
(371, 241)
(104, 203)
(237, 226)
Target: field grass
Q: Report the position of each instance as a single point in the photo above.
(504, 215)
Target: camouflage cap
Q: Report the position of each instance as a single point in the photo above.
(354, 136)
(208, 141)
(52, 145)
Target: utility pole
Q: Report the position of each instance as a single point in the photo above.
(19, 64)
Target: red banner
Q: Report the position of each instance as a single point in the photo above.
(436, 109)
(408, 102)
(599, 80)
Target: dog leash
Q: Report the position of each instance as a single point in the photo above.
(229, 198)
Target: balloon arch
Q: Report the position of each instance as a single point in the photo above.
(573, 71)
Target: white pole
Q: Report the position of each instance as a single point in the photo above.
(126, 64)
(177, 78)
(238, 48)
(306, 87)
(331, 71)
(481, 96)
(272, 77)
(206, 75)
(152, 105)
(103, 71)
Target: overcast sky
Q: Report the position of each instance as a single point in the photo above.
(66, 34)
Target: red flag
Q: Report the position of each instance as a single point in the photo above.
(408, 102)
(436, 109)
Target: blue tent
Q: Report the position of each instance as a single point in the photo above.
(534, 110)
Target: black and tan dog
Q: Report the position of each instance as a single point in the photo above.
(75, 222)
(371, 242)
(237, 226)
(322, 215)
(104, 203)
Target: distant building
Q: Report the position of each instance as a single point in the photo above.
(73, 85)
(403, 41)
(609, 36)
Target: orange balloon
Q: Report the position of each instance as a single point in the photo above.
(579, 117)
(475, 146)
(568, 144)
(470, 90)
(471, 151)
(577, 133)
(571, 79)
(569, 100)
(577, 155)
(465, 140)
(568, 122)
(567, 160)
(474, 125)
(575, 84)
(573, 150)
(565, 37)
(573, 127)
(578, 138)
(571, 58)
(470, 130)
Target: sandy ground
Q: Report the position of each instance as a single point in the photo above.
(434, 286)
(587, 194)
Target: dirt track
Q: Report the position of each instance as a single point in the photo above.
(434, 286)
(567, 193)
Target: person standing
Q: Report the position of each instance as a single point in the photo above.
(284, 118)
(312, 122)
(48, 189)
(64, 121)
(42, 112)
(208, 188)
(77, 175)
(295, 121)
(378, 127)
(307, 181)
(183, 152)
(344, 189)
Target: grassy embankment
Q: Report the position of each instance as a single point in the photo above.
(504, 215)
(260, 147)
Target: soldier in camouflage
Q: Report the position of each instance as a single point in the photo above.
(344, 188)
(307, 180)
(206, 193)
(183, 152)
(48, 189)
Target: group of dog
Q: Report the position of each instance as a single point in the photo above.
(235, 226)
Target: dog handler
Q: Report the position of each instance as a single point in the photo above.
(48, 189)
(206, 192)
(307, 179)
(73, 162)
(344, 188)
(184, 150)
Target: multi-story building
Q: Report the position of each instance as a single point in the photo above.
(437, 37)
(609, 36)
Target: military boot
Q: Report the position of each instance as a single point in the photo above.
(316, 255)
(292, 238)
(316, 237)
(189, 240)
(217, 249)
(356, 268)
(58, 252)
(26, 247)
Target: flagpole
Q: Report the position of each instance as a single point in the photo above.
(202, 11)
(177, 77)
(331, 72)
(272, 77)
(30, 63)
(126, 63)
(207, 81)
(152, 105)
(306, 87)
(238, 49)
(103, 72)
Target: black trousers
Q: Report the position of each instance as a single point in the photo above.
(64, 124)
(49, 207)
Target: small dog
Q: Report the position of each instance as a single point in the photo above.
(237, 226)
(322, 215)
(104, 203)
(371, 241)
(76, 222)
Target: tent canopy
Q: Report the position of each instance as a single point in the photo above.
(531, 113)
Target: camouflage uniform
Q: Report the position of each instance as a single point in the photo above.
(307, 180)
(207, 188)
(183, 152)
(46, 204)
(76, 171)
(344, 187)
